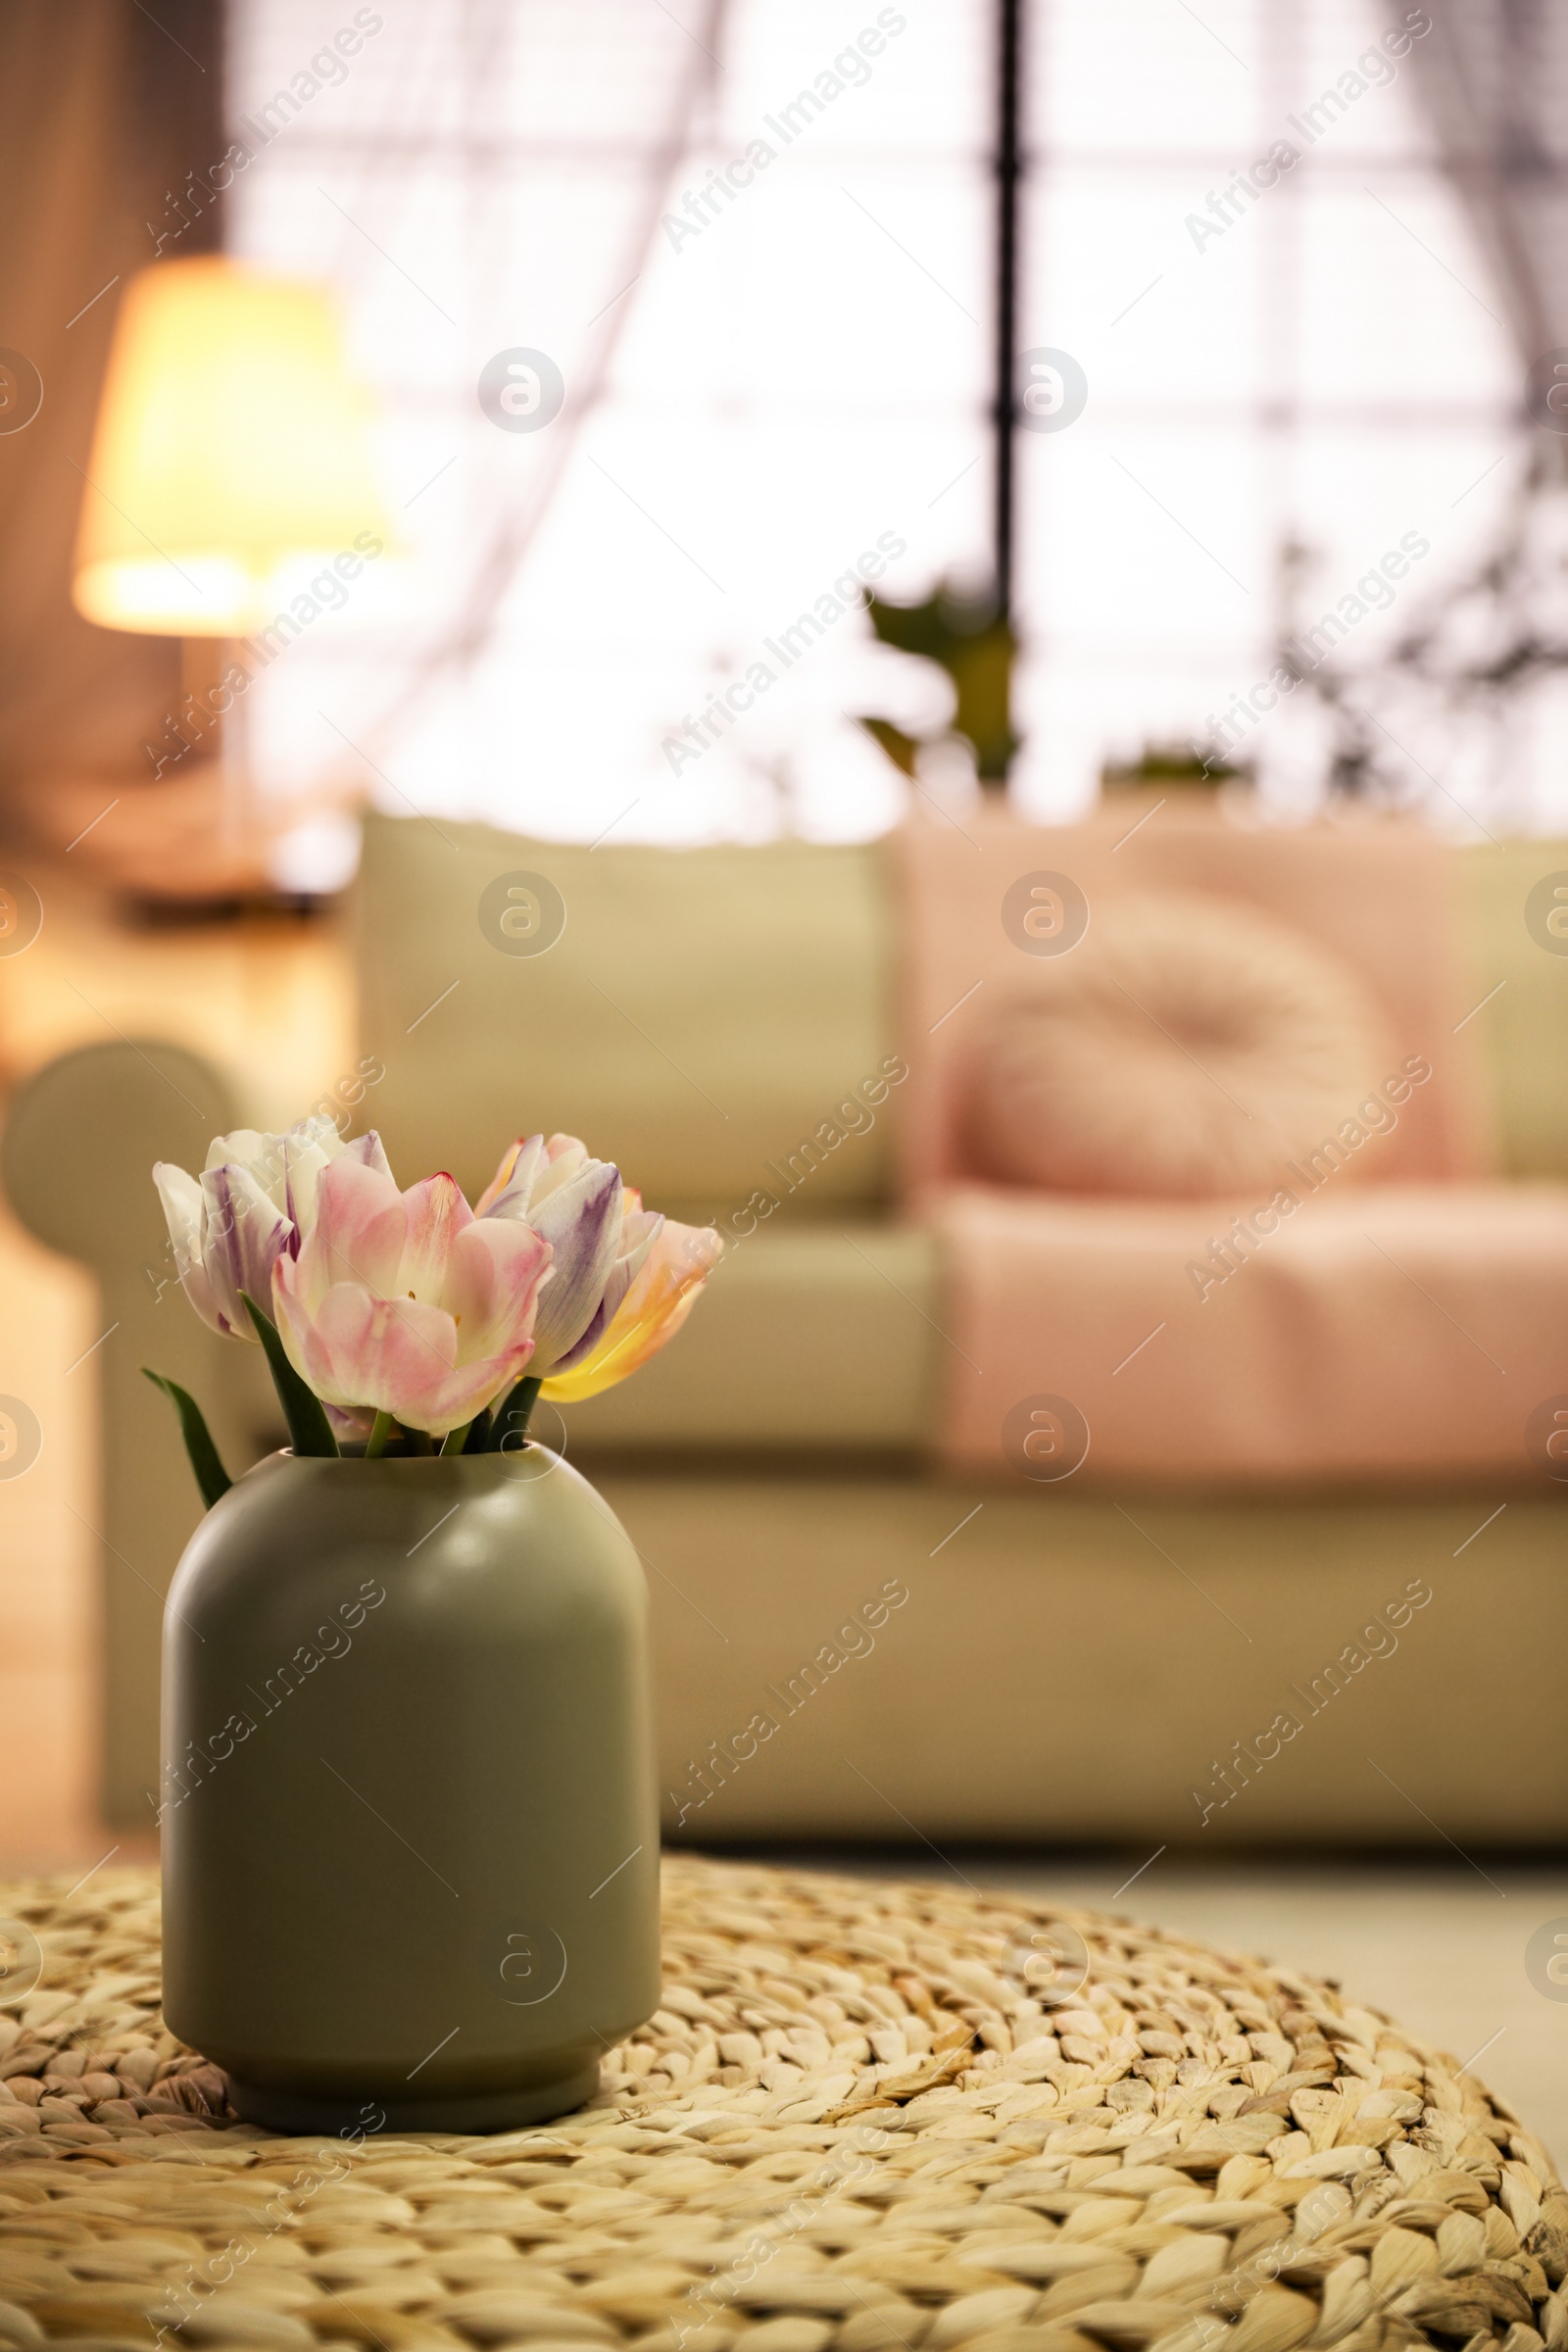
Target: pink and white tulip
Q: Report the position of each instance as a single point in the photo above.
(253, 1204)
(406, 1302)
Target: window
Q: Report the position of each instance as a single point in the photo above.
(1318, 361)
(757, 241)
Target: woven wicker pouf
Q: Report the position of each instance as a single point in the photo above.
(869, 2115)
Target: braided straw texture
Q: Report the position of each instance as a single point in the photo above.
(870, 2116)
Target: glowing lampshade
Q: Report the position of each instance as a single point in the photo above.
(232, 454)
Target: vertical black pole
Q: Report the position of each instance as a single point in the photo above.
(1009, 46)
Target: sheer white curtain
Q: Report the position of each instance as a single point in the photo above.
(755, 238)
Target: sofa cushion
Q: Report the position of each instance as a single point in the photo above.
(702, 1012)
(1188, 1047)
(823, 1338)
(1382, 898)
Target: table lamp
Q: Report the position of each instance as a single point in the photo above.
(230, 468)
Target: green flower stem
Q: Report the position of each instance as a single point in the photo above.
(456, 1438)
(510, 1425)
(379, 1434)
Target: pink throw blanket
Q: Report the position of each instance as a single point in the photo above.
(1375, 1334)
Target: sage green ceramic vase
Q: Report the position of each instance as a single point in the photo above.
(410, 1836)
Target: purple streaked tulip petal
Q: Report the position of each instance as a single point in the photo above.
(582, 1222)
(579, 1204)
(510, 1187)
(566, 1160)
(244, 1235)
(640, 1229)
(186, 1214)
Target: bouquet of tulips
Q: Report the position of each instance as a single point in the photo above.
(406, 1321)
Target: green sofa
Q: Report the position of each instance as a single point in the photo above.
(849, 1642)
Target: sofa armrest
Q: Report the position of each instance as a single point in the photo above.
(76, 1155)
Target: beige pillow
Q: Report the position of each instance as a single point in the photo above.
(1188, 1046)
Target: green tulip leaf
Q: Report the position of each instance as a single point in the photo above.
(210, 1475)
(309, 1429)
